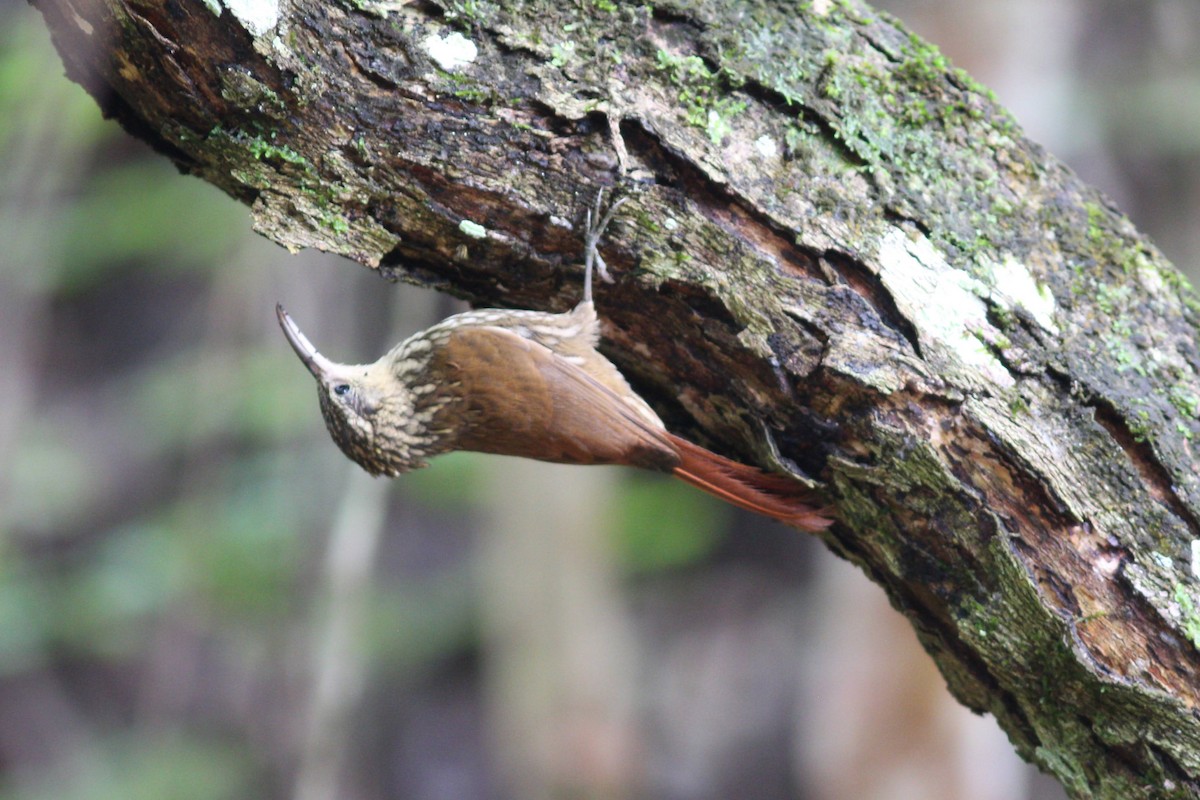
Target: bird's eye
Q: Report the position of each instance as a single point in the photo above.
(341, 389)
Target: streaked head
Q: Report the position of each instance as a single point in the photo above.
(352, 397)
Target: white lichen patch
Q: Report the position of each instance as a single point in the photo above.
(1196, 558)
(256, 16)
(1108, 564)
(473, 229)
(766, 146)
(214, 6)
(1014, 286)
(945, 307)
(451, 52)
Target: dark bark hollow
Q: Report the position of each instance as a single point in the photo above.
(831, 234)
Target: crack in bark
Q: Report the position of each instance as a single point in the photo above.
(867, 285)
(1063, 554)
(1141, 456)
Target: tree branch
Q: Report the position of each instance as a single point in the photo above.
(831, 235)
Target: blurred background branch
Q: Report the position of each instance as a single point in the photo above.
(184, 614)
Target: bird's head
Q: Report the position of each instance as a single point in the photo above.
(363, 406)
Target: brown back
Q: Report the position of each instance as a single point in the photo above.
(519, 398)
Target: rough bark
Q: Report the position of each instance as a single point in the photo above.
(831, 235)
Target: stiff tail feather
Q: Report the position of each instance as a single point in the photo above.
(748, 487)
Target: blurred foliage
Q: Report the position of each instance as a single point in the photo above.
(454, 485)
(142, 215)
(665, 523)
(139, 491)
(26, 56)
(154, 768)
(659, 522)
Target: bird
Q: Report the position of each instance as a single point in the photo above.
(524, 383)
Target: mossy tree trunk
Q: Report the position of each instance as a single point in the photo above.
(831, 236)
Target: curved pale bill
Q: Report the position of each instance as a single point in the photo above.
(317, 364)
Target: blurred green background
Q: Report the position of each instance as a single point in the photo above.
(200, 598)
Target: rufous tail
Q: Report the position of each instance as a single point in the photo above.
(747, 487)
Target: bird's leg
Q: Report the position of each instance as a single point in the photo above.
(597, 223)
